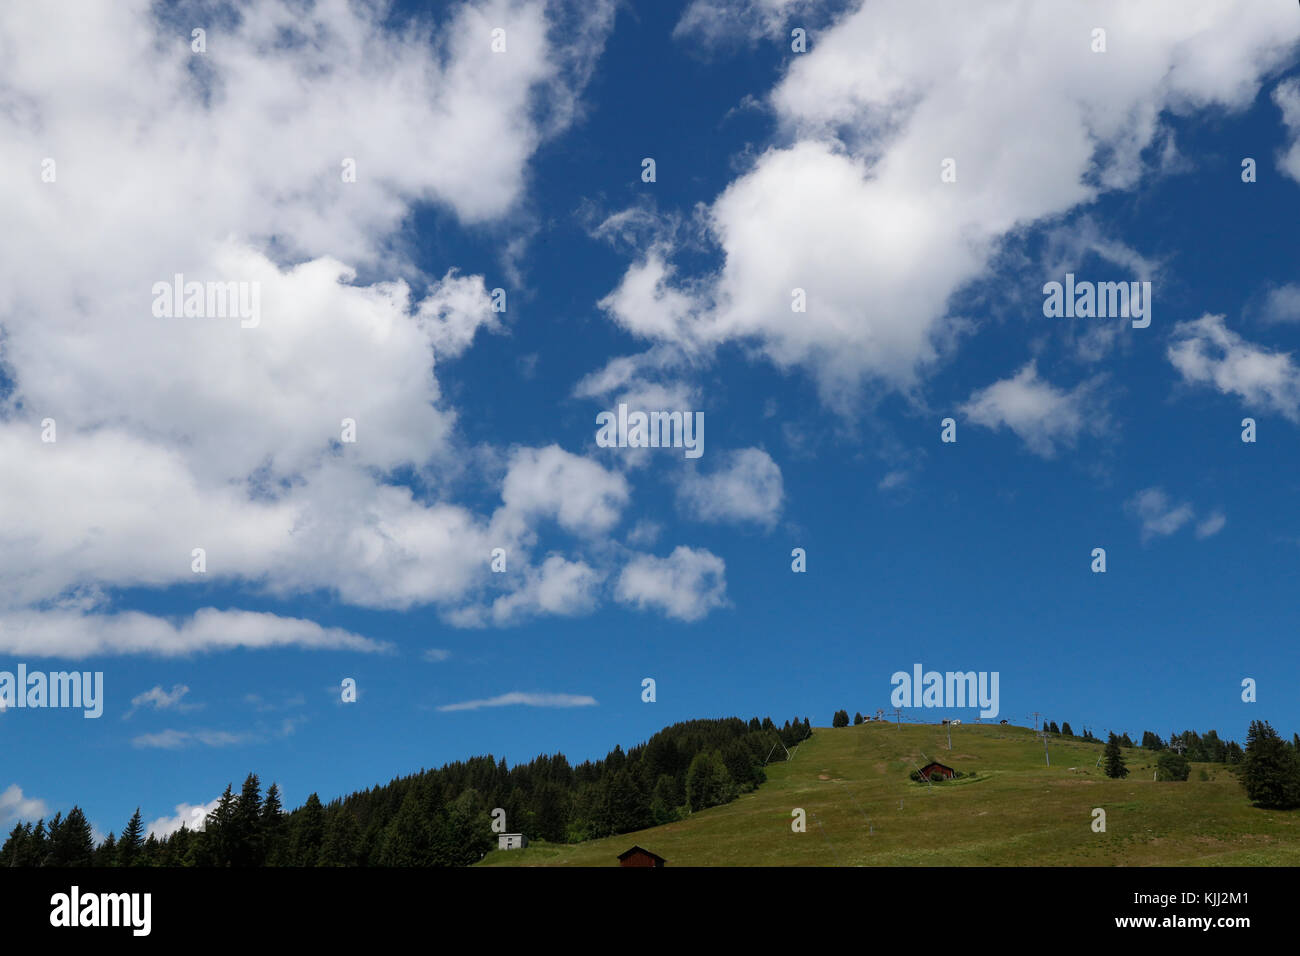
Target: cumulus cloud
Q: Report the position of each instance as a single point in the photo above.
(1161, 517)
(559, 587)
(516, 698)
(850, 206)
(553, 483)
(746, 488)
(686, 585)
(192, 815)
(203, 433)
(1287, 97)
(1282, 303)
(15, 806)
(1043, 416)
(1206, 352)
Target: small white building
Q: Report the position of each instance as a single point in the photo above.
(511, 841)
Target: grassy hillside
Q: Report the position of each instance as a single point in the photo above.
(862, 810)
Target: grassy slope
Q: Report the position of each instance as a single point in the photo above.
(1016, 812)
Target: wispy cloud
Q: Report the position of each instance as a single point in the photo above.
(1160, 517)
(160, 699)
(436, 655)
(515, 698)
(178, 739)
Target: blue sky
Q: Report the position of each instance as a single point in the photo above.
(521, 170)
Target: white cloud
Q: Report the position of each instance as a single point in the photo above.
(747, 488)
(1282, 303)
(200, 433)
(191, 815)
(436, 655)
(1207, 352)
(14, 806)
(553, 483)
(559, 587)
(644, 533)
(853, 210)
(77, 635)
(527, 700)
(1160, 517)
(1287, 97)
(160, 699)
(686, 585)
(177, 739)
(721, 22)
(1043, 416)
(1211, 525)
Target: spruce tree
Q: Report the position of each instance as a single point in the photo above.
(37, 847)
(1065, 729)
(150, 852)
(857, 718)
(1172, 766)
(309, 832)
(106, 853)
(218, 830)
(12, 851)
(272, 826)
(1114, 758)
(246, 824)
(71, 843)
(128, 848)
(1270, 772)
(340, 845)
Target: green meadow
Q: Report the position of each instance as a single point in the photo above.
(863, 810)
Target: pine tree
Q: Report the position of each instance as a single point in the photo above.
(1053, 729)
(857, 718)
(37, 846)
(12, 852)
(71, 843)
(1270, 772)
(663, 800)
(841, 719)
(106, 853)
(150, 852)
(178, 847)
(1114, 759)
(128, 848)
(246, 825)
(218, 830)
(309, 832)
(1172, 766)
(272, 825)
(340, 845)
(1065, 729)
(707, 782)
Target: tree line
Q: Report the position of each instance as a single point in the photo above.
(440, 817)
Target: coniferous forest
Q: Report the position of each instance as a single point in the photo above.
(440, 817)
